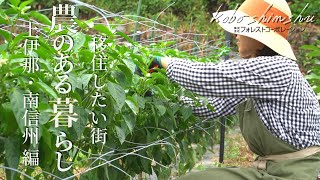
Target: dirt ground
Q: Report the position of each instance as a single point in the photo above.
(237, 153)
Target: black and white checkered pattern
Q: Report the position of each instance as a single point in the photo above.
(284, 100)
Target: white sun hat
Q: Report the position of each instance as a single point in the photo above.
(267, 21)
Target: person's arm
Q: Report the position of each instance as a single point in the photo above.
(264, 77)
(165, 61)
(222, 107)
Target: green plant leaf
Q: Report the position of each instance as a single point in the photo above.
(104, 29)
(309, 47)
(160, 92)
(140, 100)
(12, 155)
(45, 115)
(186, 112)
(46, 137)
(3, 20)
(121, 134)
(117, 93)
(46, 45)
(155, 116)
(86, 55)
(130, 64)
(1, 1)
(47, 89)
(15, 2)
(130, 121)
(171, 152)
(146, 164)
(132, 105)
(79, 40)
(3, 47)
(312, 76)
(79, 82)
(24, 4)
(127, 72)
(7, 126)
(42, 18)
(81, 24)
(42, 53)
(81, 123)
(315, 53)
(84, 80)
(17, 39)
(45, 64)
(6, 34)
(12, 11)
(125, 37)
(47, 149)
(16, 100)
(158, 76)
(210, 107)
(73, 79)
(161, 109)
(89, 175)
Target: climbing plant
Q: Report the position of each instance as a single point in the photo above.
(147, 128)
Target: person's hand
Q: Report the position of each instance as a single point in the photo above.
(156, 63)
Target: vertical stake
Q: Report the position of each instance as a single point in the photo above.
(222, 137)
(222, 119)
(137, 18)
(175, 32)
(195, 39)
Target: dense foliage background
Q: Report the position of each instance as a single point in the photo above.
(148, 128)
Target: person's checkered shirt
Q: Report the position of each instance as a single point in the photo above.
(284, 100)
